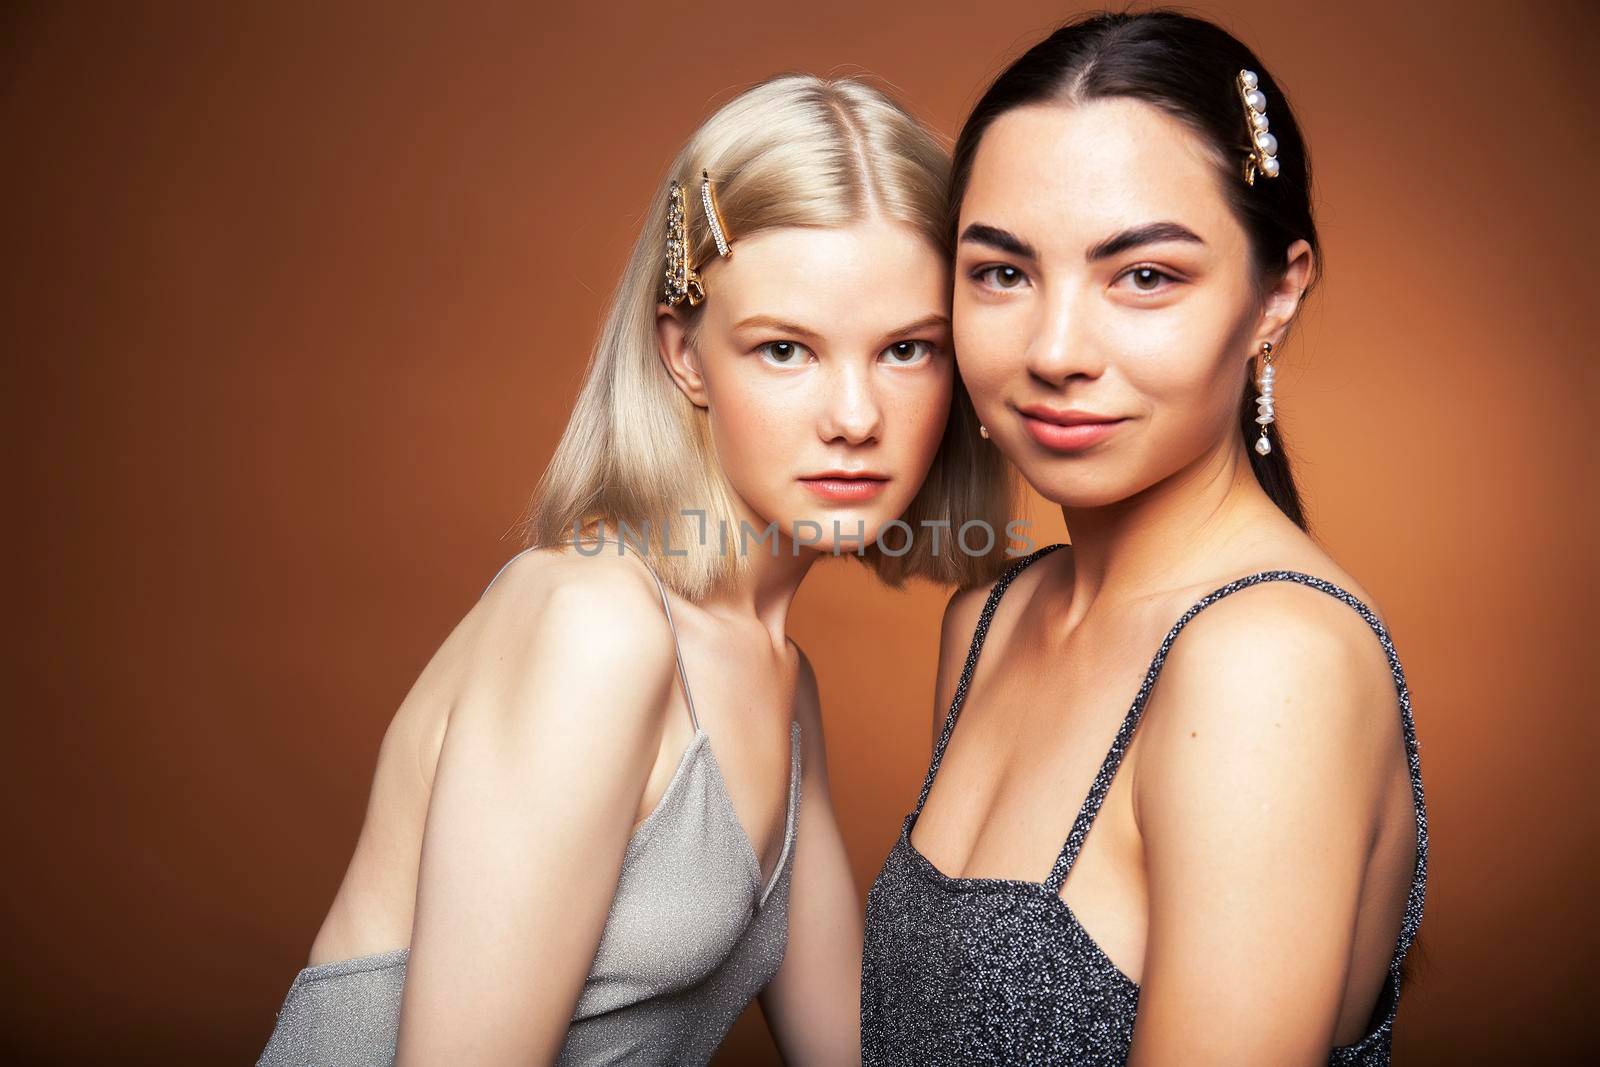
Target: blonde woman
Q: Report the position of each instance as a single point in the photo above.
(586, 840)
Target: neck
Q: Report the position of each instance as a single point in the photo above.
(1158, 538)
(765, 586)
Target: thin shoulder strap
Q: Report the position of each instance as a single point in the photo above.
(979, 632)
(677, 649)
(1119, 747)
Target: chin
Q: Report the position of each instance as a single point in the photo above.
(1081, 492)
(851, 522)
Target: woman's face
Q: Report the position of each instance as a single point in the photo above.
(1100, 275)
(822, 357)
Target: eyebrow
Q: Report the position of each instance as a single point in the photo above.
(1151, 233)
(769, 323)
(927, 322)
(1002, 240)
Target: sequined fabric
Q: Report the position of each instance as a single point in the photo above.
(987, 970)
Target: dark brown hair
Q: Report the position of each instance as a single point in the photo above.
(1186, 67)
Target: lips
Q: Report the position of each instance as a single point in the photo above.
(1064, 416)
(840, 486)
(1067, 429)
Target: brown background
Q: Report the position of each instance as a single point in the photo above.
(296, 301)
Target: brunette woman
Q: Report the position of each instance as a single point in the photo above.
(1230, 869)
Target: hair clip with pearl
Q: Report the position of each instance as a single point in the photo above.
(1263, 155)
(719, 231)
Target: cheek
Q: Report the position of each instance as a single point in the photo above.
(991, 343)
(747, 400)
(755, 420)
(1179, 370)
(1188, 401)
(918, 406)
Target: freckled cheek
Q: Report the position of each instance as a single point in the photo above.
(757, 422)
(916, 407)
(773, 408)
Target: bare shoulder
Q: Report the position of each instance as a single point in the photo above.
(961, 613)
(959, 626)
(554, 728)
(1263, 786)
(965, 605)
(554, 620)
(1279, 683)
(605, 587)
(1283, 634)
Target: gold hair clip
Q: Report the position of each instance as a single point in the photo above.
(708, 200)
(683, 281)
(1263, 155)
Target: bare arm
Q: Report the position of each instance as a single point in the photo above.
(549, 744)
(1258, 798)
(813, 1005)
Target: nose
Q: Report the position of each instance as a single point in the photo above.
(851, 410)
(1061, 344)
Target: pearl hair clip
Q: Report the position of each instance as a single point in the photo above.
(708, 200)
(683, 281)
(1263, 156)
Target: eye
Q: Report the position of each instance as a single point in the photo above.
(782, 353)
(1000, 276)
(906, 353)
(1148, 279)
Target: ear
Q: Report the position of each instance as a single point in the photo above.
(1283, 300)
(678, 356)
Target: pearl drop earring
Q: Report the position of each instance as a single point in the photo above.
(983, 431)
(1264, 412)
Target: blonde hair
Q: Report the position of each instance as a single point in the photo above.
(795, 150)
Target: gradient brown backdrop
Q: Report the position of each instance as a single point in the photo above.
(297, 298)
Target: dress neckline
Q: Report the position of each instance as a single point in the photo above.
(1051, 887)
(930, 873)
(763, 885)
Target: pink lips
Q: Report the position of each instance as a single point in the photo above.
(1066, 429)
(846, 487)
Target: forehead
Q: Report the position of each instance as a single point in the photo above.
(821, 276)
(1087, 170)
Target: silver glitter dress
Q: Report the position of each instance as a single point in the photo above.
(693, 934)
(991, 970)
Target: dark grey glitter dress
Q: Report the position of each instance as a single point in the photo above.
(991, 970)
